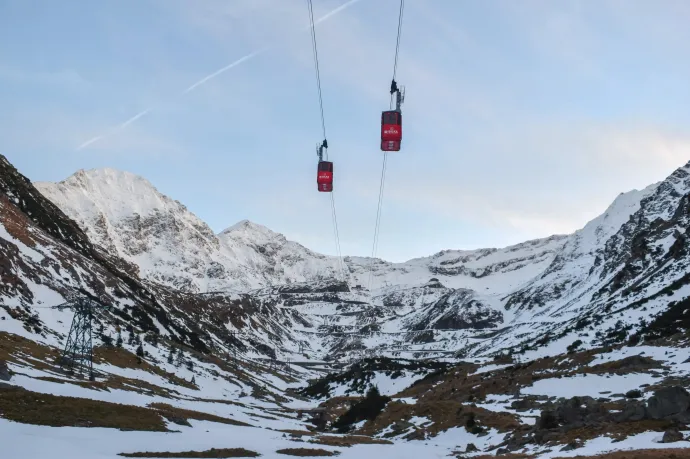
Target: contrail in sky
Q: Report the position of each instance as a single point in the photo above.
(210, 76)
(113, 131)
(225, 69)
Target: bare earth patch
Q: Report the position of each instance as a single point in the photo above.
(641, 454)
(19, 405)
(348, 440)
(179, 414)
(57, 411)
(307, 452)
(211, 453)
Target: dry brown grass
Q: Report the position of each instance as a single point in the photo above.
(117, 382)
(617, 431)
(459, 385)
(307, 452)
(19, 350)
(443, 415)
(169, 412)
(84, 384)
(298, 432)
(679, 453)
(337, 406)
(348, 440)
(17, 404)
(211, 453)
(16, 222)
(22, 351)
(57, 411)
(622, 366)
(122, 358)
(502, 456)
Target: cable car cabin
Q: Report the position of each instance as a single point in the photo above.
(324, 176)
(391, 130)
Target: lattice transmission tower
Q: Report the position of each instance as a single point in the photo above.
(77, 356)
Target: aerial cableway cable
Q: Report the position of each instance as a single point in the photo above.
(391, 135)
(325, 169)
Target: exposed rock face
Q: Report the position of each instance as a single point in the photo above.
(46, 259)
(5, 374)
(457, 309)
(667, 404)
(670, 402)
(635, 255)
(129, 218)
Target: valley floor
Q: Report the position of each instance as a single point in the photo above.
(136, 409)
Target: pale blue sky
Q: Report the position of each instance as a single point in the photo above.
(522, 119)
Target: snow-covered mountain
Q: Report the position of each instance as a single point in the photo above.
(524, 290)
(633, 250)
(126, 215)
(621, 281)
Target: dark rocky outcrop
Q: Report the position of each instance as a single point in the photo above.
(5, 374)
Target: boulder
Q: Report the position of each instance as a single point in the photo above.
(671, 436)
(668, 402)
(633, 411)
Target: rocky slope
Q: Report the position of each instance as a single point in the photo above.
(127, 216)
(608, 275)
(561, 346)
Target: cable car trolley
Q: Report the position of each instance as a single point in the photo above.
(324, 171)
(391, 122)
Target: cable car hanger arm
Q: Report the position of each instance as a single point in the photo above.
(321, 148)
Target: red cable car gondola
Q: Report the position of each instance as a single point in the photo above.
(324, 176)
(391, 130)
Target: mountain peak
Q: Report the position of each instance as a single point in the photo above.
(115, 193)
(247, 225)
(247, 230)
(106, 175)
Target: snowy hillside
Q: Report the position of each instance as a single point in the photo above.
(556, 347)
(127, 216)
(522, 292)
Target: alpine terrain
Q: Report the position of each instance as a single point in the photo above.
(243, 343)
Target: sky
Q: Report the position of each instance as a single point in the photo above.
(521, 119)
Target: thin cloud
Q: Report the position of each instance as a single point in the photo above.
(121, 126)
(90, 141)
(214, 74)
(225, 69)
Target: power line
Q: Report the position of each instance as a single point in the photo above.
(337, 236)
(377, 226)
(397, 42)
(323, 127)
(378, 219)
(316, 66)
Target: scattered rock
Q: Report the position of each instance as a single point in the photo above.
(633, 411)
(416, 434)
(635, 393)
(668, 402)
(573, 445)
(671, 436)
(471, 448)
(402, 425)
(178, 420)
